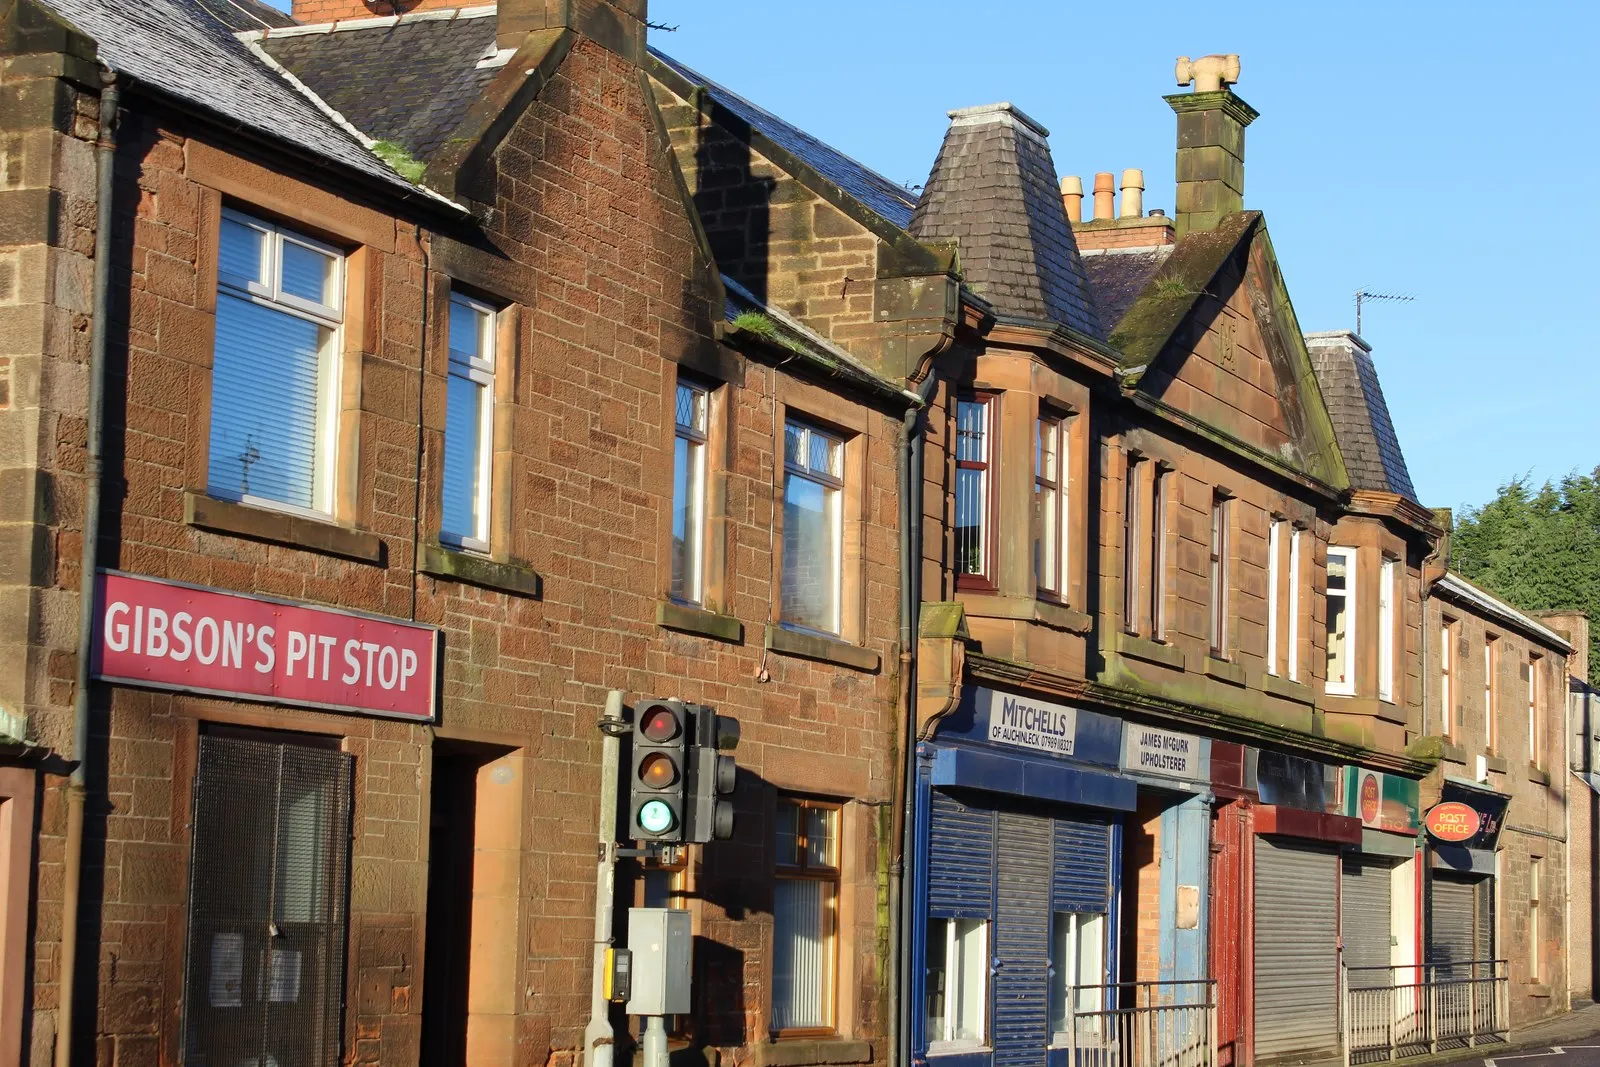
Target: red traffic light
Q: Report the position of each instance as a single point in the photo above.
(658, 771)
(660, 724)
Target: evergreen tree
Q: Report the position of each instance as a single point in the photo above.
(1538, 549)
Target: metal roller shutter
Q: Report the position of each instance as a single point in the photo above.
(960, 860)
(1082, 864)
(1296, 962)
(1021, 938)
(1364, 919)
(1459, 929)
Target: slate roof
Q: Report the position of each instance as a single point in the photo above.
(410, 81)
(239, 15)
(180, 48)
(1117, 279)
(993, 190)
(888, 199)
(1361, 424)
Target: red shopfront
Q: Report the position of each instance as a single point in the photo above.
(265, 920)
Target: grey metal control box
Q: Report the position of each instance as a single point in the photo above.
(663, 950)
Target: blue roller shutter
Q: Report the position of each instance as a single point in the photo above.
(960, 860)
(1082, 876)
(1022, 938)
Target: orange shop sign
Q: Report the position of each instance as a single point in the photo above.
(1452, 821)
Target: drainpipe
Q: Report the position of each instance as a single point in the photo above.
(72, 875)
(913, 433)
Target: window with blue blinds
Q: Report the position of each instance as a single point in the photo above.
(469, 425)
(274, 377)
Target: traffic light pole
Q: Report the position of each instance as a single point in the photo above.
(599, 1041)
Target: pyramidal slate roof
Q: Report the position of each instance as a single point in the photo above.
(184, 50)
(993, 191)
(409, 80)
(1349, 382)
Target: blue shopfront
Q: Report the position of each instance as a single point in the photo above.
(1020, 811)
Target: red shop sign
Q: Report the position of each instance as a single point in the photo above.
(1452, 821)
(175, 636)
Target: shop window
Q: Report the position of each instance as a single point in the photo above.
(1077, 974)
(1050, 504)
(813, 531)
(1274, 577)
(1132, 533)
(1158, 553)
(1219, 576)
(974, 460)
(1535, 719)
(1535, 949)
(957, 988)
(1491, 663)
(274, 374)
(1447, 679)
(804, 915)
(266, 912)
(1341, 621)
(689, 492)
(469, 425)
(1386, 626)
(1294, 604)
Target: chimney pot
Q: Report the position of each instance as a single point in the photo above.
(1072, 198)
(1132, 193)
(1105, 190)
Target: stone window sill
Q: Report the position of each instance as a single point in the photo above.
(470, 568)
(693, 620)
(1059, 616)
(1538, 775)
(1283, 687)
(1494, 763)
(1539, 989)
(824, 649)
(1150, 651)
(281, 528)
(1224, 671)
(808, 1052)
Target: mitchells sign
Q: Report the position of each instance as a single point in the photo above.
(1035, 724)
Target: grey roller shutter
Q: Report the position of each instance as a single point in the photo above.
(1483, 936)
(1296, 962)
(1450, 921)
(1364, 920)
(1021, 939)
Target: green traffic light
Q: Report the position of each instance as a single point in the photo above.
(655, 817)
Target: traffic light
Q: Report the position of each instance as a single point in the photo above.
(661, 735)
(712, 776)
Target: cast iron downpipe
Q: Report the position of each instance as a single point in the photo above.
(913, 431)
(77, 788)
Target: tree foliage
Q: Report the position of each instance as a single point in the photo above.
(1538, 549)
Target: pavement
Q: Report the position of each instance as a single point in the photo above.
(1569, 1040)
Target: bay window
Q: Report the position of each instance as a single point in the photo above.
(1341, 621)
(973, 463)
(804, 915)
(688, 493)
(813, 537)
(956, 991)
(275, 374)
(469, 425)
(1050, 504)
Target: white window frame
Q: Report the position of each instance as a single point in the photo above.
(1349, 555)
(480, 372)
(946, 1042)
(1535, 753)
(1274, 549)
(270, 294)
(1132, 533)
(1447, 678)
(1535, 888)
(1052, 426)
(831, 483)
(698, 443)
(1490, 654)
(1386, 626)
(1074, 985)
(1294, 603)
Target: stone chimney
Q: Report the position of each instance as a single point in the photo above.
(614, 24)
(1211, 122)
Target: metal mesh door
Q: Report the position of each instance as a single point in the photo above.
(267, 905)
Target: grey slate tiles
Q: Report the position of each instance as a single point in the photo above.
(994, 191)
(1361, 424)
(1117, 279)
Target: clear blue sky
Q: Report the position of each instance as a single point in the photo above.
(1446, 150)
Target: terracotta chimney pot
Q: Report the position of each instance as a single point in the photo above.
(1105, 190)
(1072, 198)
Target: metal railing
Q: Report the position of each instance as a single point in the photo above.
(1394, 1012)
(1142, 1024)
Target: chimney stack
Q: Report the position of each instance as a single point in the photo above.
(1105, 190)
(617, 25)
(1072, 198)
(1211, 123)
(1132, 193)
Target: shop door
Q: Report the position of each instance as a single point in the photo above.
(1021, 938)
(1460, 923)
(1296, 959)
(268, 883)
(1365, 921)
